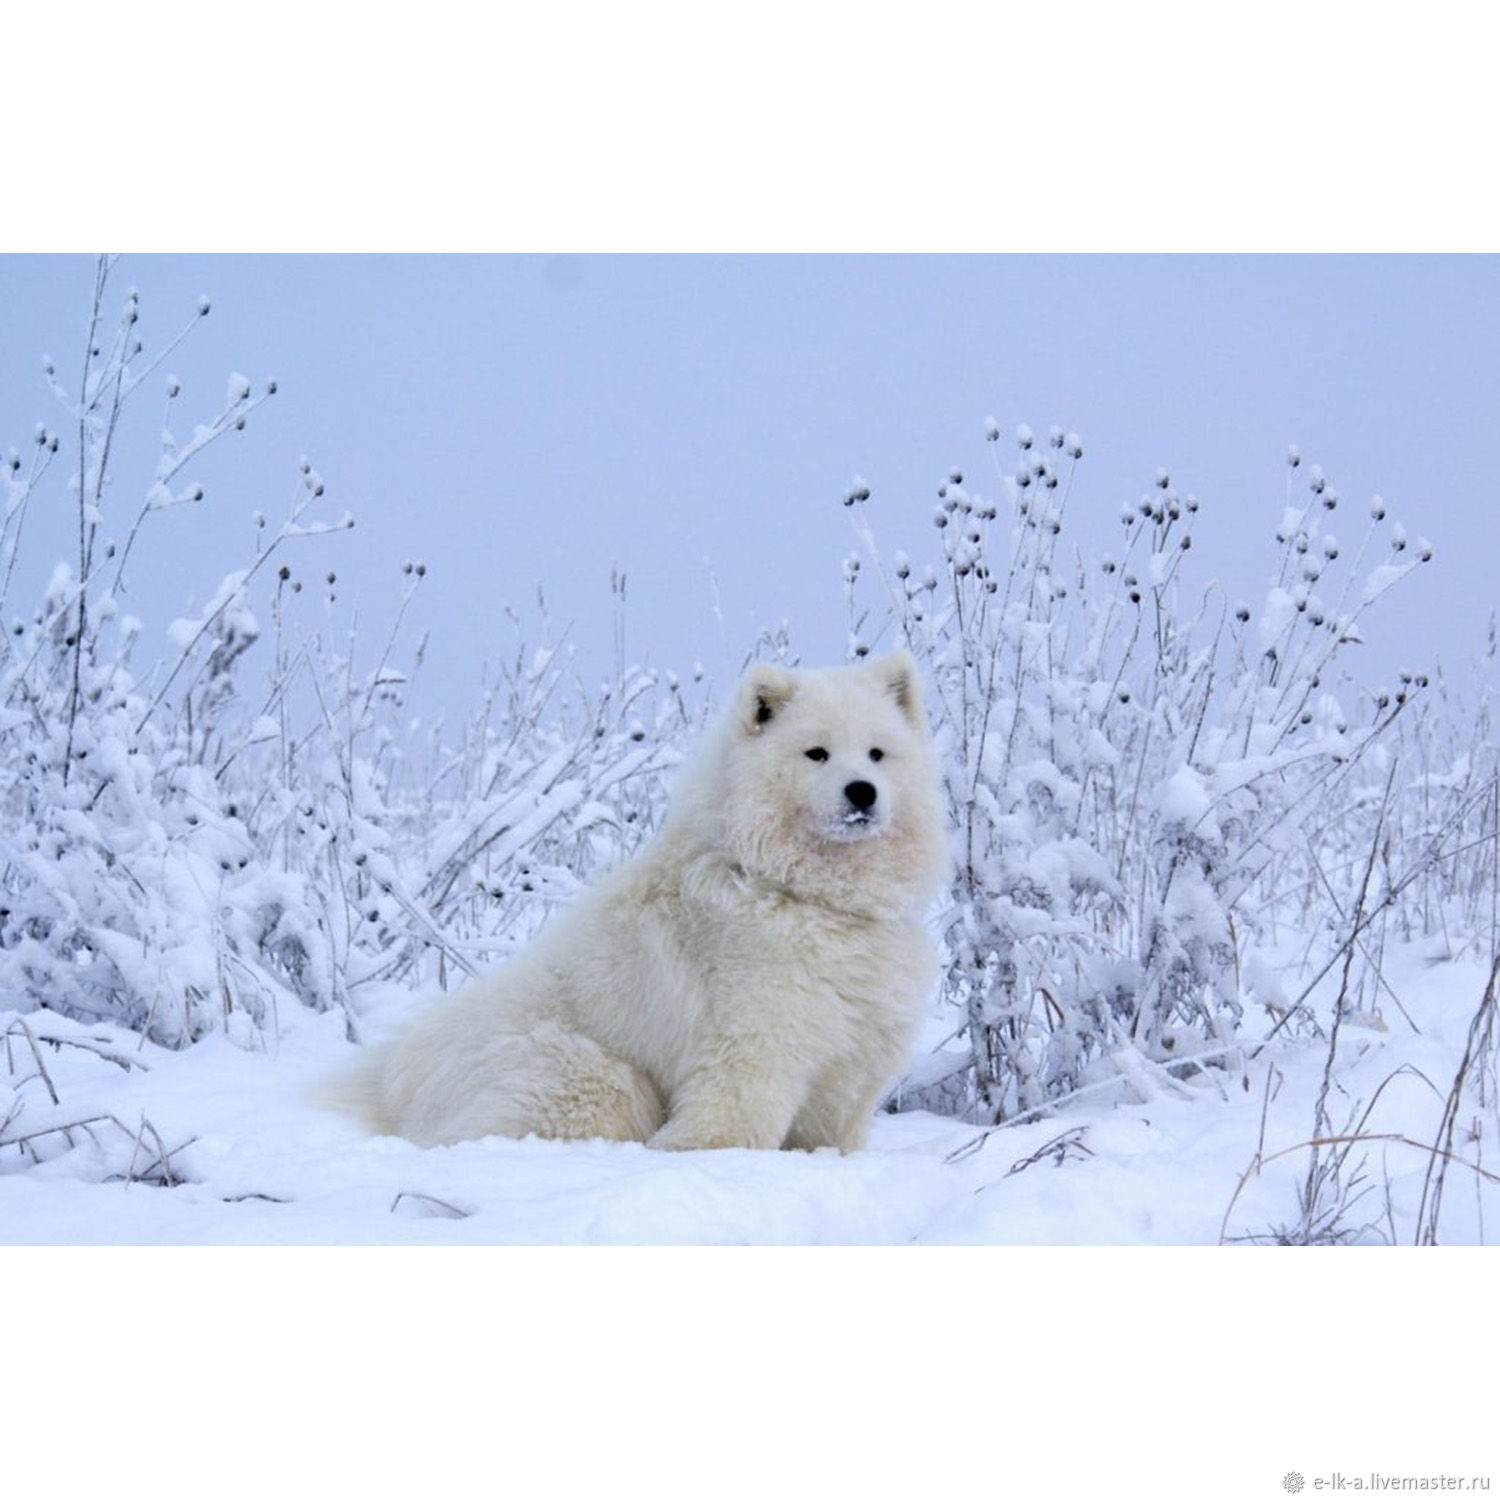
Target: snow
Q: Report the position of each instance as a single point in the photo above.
(1184, 798)
(261, 1162)
(1383, 577)
(59, 584)
(227, 597)
(1277, 616)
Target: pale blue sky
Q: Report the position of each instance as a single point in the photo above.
(511, 420)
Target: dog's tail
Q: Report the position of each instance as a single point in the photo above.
(356, 1090)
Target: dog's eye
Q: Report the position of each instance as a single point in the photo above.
(877, 755)
(817, 753)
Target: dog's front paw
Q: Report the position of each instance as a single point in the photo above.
(687, 1135)
(675, 1136)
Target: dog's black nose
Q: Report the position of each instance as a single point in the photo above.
(861, 794)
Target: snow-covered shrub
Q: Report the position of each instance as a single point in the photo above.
(120, 849)
(192, 848)
(1132, 769)
(457, 852)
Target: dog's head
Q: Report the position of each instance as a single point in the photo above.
(830, 782)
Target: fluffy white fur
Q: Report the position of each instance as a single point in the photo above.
(753, 978)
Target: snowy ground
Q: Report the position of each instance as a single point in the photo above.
(251, 1159)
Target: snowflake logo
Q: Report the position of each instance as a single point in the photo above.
(1292, 1484)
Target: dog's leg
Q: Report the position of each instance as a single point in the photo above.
(735, 1101)
(838, 1113)
(854, 1129)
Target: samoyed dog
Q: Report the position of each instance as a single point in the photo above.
(752, 978)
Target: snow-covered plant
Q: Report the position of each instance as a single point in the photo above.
(1131, 766)
(458, 852)
(124, 858)
(184, 847)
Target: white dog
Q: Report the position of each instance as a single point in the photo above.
(753, 978)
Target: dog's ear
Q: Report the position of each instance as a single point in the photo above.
(763, 692)
(897, 674)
